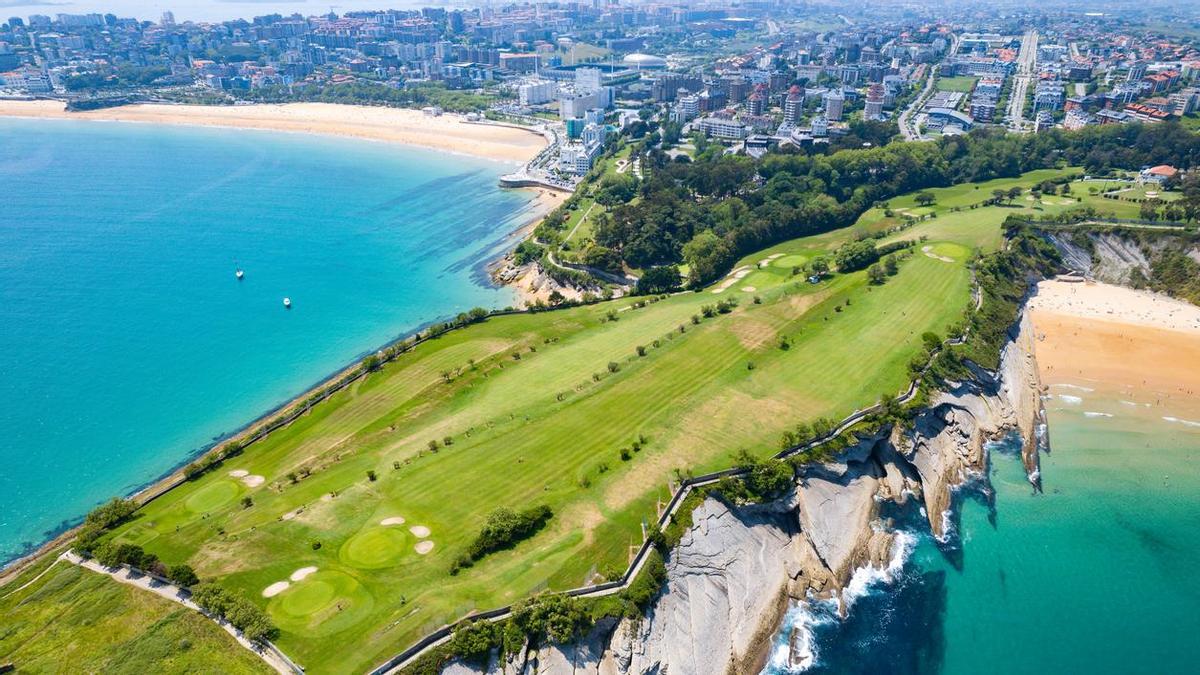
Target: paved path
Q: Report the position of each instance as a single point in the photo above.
(176, 594)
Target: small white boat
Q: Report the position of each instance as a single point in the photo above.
(287, 303)
(239, 274)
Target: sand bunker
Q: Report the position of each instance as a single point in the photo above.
(292, 514)
(929, 251)
(299, 574)
(419, 531)
(239, 473)
(424, 547)
(253, 481)
(734, 277)
(275, 589)
(394, 520)
(749, 289)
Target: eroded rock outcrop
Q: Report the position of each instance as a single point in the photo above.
(730, 570)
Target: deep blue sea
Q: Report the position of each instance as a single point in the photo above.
(126, 342)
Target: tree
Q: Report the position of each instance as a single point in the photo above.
(183, 575)
(660, 279)
(876, 274)
(819, 266)
(924, 198)
(707, 255)
(1149, 209)
(855, 255)
(998, 195)
(891, 266)
(1014, 192)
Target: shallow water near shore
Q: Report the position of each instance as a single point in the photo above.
(1094, 575)
(126, 342)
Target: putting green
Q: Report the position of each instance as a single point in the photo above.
(307, 598)
(374, 548)
(213, 496)
(950, 250)
(324, 603)
(790, 261)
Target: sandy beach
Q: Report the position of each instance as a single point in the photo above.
(1131, 343)
(447, 132)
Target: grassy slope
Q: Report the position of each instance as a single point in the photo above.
(541, 429)
(73, 620)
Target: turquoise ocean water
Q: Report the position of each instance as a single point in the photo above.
(127, 344)
(1097, 574)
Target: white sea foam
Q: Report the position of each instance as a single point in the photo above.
(1176, 420)
(1089, 413)
(1131, 403)
(806, 616)
(1072, 400)
(1076, 387)
(866, 578)
(802, 620)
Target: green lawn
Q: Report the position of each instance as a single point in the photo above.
(963, 83)
(536, 415)
(546, 428)
(75, 621)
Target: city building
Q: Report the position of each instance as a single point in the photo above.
(835, 102)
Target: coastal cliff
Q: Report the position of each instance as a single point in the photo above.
(737, 569)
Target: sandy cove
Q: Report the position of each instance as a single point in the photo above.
(1140, 344)
(447, 132)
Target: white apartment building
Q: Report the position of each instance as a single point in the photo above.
(537, 92)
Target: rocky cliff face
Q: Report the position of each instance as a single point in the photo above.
(731, 577)
(1106, 257)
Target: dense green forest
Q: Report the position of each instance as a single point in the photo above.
(709, 212)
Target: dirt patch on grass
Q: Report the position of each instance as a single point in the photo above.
(802, 303)
(582, 516)
(752, 333)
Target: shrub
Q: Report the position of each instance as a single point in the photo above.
(613, 366)
(244, 615)
(371, 476)
(113, 554)
(474, 640)
(641, 350)
(247, 502)
(626, 455)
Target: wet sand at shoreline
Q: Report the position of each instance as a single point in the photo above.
(446, 132)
